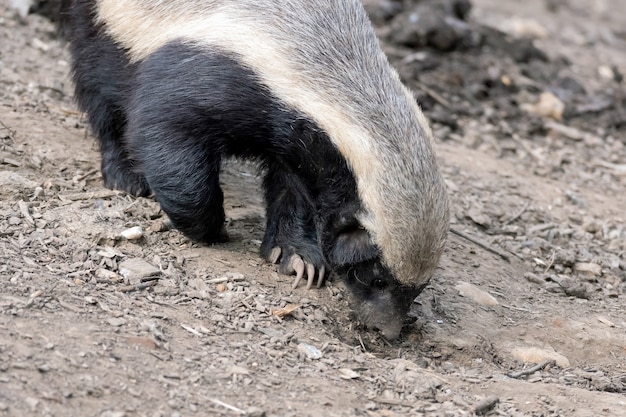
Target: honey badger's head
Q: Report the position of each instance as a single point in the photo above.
(382, 294)
(380, 301)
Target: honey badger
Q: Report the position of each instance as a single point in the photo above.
(351, 183)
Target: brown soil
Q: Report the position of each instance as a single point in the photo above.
(92, 324)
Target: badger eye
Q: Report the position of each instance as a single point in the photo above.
(379, 284)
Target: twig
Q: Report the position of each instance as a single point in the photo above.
(530, 371)
(481, 244)
(90, 196)
(620, 169)
(518, 214)
(484, 406)
(552, 258)
(362, 344)
(191, 330)
(541, 227)
(24, 210)
(389, 401)
(89, 173)
(222, 261)
(8, 129)
(228, 406)
(217, 280)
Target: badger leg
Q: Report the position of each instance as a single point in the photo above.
(290, 236)
(118, 171)
(101, 74)
(182, 171)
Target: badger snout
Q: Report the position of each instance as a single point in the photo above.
(390, 330)
(379, 300)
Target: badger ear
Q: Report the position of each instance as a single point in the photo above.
(352, 245)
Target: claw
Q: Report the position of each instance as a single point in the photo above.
(310, 272)
(320, 276)
(275, 255)
(297, 264)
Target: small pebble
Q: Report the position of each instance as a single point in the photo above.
(588, 268)
(537, 355)
(345, 373)
(133, 233)
(310, 351)
(116, 322)
(254, 412)
(474, 293)
(534, 278)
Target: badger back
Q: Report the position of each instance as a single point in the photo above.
(322, 59)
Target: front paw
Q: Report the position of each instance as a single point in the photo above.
(299, 262)
(119, 175)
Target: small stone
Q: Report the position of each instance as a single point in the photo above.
(478, 217)
(525, 28)
(111, 413)
(605, 72)
(239, 370)
(345, 373)
(565, 257)
(537, 355)
(136, 268)
(105, 274)
(271, 332)
(43, 368)
(80, 256)
(146, 342)
(116, 321)
(575, 289)
(235, 276)
(37, 193)
(254, 412)
(591, 225)
(310, 351)
(218, 318)
(133, 233)
(588, 268)
(474, 293)
(32, 402)
(606, 321)
(161, 226)
(534, 278)
(548, 105)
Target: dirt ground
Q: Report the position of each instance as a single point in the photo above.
(531, 127)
